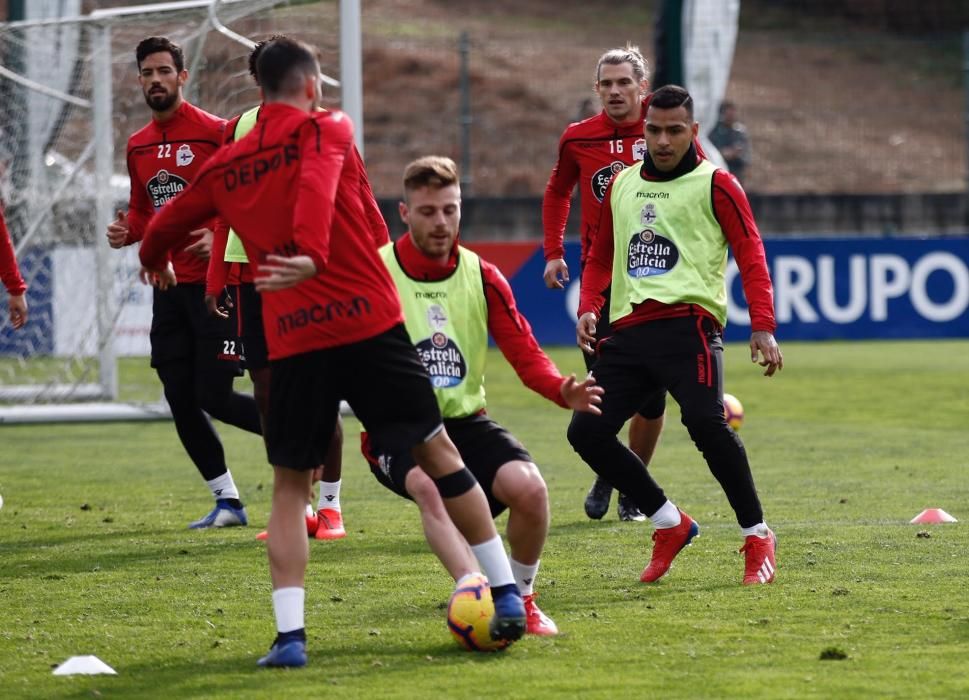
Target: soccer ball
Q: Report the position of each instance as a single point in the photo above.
(469, 611)
(733, 411)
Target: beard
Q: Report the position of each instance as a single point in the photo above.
(161, 102)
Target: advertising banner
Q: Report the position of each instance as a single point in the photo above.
(824, 288)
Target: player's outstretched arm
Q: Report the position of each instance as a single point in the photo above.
(582, 396)
(763, 345)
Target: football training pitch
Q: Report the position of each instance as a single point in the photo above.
(847, 444)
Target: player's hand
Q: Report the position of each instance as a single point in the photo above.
(762, 343)
(118, 231)
(214, 308)
(582, 396)
(18, 311)
(585, 332)
(162, 279)
(202, 247)
(280, 272)
(556, 274)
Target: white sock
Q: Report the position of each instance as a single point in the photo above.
(223, 486)
(466, 577)
(494, 562)
(667, 516)
(760, 529)
(288, 607)
(330, 495)
(525, 575)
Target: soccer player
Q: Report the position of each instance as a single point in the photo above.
(591, 152)
(195, 355)
(325, 522)
(12, 279)
(452, 299)
(333, 324)
(666, 225)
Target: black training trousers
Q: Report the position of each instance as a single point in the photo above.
(684, 356)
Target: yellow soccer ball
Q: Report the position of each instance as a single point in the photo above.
(469, 612)
(733, 411)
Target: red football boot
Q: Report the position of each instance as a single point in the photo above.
(331, 525)
(537, 622)
(760, 565)
(667, 543)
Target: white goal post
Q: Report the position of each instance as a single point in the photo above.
(69, 99)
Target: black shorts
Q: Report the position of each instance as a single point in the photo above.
(248, 304)
(684, 355)
(382, 379)
(182, 329)
(654, 405)
(484, 445)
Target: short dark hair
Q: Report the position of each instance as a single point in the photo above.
(671, 97)
(430, 171)
(256, 51)
(282, 65)
(158, 44)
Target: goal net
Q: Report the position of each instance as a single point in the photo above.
(69, 99)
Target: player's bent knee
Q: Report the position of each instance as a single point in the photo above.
(421, 488)
(531, 501)
(704, 429)
(213, 398)
(519, 485)
(581, 433)
(455, 484)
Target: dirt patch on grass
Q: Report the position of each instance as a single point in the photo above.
(830, 108)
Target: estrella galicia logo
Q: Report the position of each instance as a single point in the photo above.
(650, 254)
(163, 188)
(443, 360)
(603, 176)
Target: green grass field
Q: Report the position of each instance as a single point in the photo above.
(847, 444)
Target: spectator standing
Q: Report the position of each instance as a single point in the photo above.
(732, 140)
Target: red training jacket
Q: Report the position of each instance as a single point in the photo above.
(163, 159)
(507, 326)
(218, 273)
(732, 211)
(295, 185)
(9, 272)
(591, 152)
